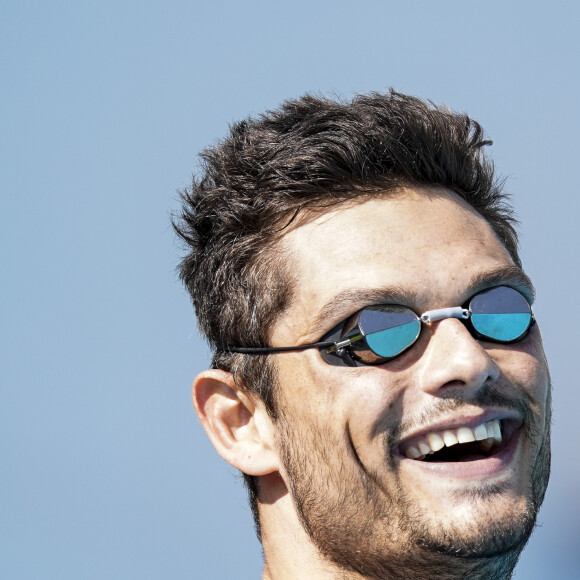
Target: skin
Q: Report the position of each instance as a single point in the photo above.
(337, 498)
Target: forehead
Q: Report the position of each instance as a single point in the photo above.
(426, 244)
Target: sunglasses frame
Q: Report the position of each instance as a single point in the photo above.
(341, 352)
(336, 348)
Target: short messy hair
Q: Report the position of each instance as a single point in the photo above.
(291, 164)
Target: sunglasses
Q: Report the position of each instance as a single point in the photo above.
(377, 334)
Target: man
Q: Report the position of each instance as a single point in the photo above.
(378, 376)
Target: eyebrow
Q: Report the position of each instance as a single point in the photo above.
(353, 299)
(344, 304)
(508, 275)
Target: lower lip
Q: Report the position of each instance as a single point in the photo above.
(485, 467)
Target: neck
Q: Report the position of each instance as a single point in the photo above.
(289, 554)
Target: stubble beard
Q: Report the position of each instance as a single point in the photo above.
(366, 532)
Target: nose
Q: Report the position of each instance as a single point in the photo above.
(454, 361)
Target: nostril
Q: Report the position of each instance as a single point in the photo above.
(453, 389)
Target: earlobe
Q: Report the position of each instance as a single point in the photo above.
(236, 422)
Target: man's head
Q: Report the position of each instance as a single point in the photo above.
(301, 219)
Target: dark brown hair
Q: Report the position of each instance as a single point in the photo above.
(291, 164)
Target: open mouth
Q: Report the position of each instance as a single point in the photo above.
(460, 444)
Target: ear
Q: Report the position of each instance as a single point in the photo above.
(236, 422)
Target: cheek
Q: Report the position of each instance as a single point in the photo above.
(304, 394)
(367, 405)
(525, 366)
(355, 402)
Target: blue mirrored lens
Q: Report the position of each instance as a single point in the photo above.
(501, 314)
(387, 333)
(503, 327)
(393, 341)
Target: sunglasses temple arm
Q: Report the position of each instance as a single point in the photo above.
(273, 349)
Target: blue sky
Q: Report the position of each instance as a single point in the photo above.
(105, 105)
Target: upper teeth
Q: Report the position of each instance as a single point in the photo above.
(489, 434)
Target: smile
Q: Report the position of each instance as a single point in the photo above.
(460, 444)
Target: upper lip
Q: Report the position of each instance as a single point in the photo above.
(457, 421)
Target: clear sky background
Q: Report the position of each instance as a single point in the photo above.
(105, 472)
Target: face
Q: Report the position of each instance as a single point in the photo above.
(347, 435)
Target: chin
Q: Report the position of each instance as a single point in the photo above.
(489, 530)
